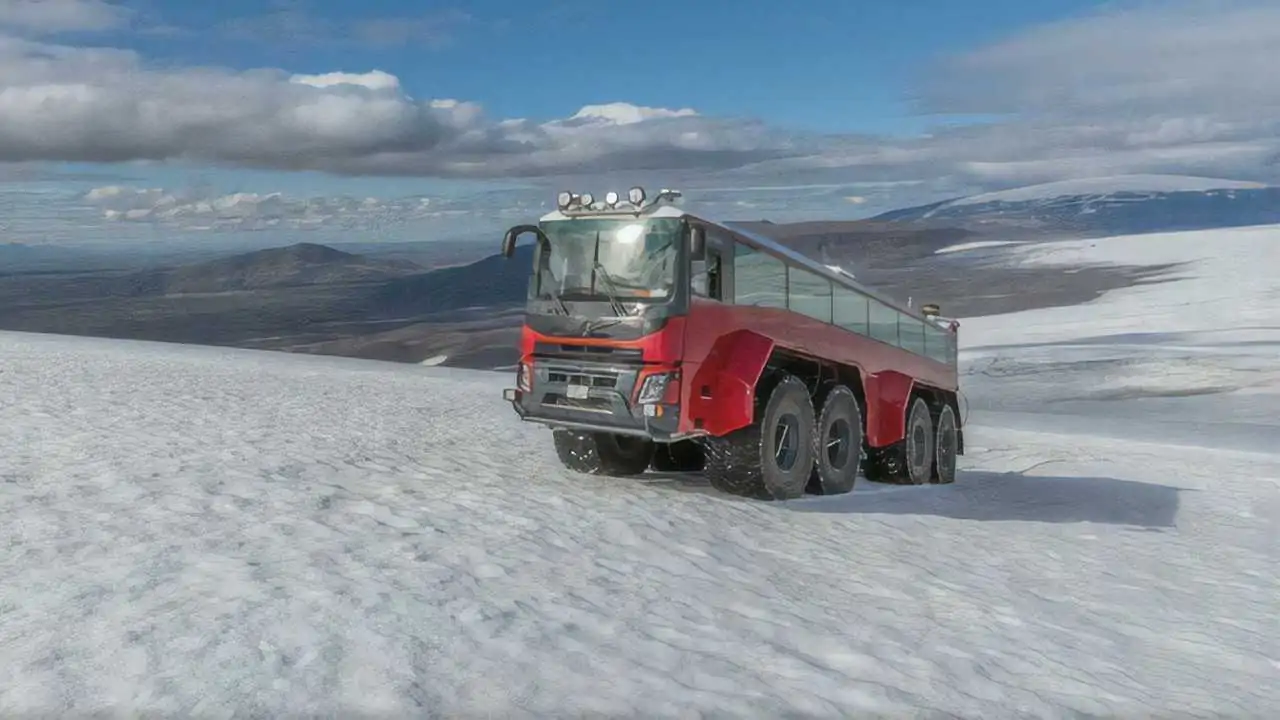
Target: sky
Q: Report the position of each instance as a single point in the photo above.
(166, 121)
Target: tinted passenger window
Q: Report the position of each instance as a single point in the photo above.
(758, 279)
(850, 311)
(911, 334)
(884, 322)
(809, 294)
(937, 343)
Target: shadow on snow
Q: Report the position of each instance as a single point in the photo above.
(988, 496)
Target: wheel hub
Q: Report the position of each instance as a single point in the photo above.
(786, 442)
(837, 444)
(919, 441)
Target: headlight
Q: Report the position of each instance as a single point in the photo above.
(653, 388)
(523, 381)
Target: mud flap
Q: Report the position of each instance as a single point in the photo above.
(730, 372)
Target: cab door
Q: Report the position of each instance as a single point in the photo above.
(711, 276)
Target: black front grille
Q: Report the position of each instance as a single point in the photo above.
(595, 379)
(601, 405)
(588, 352)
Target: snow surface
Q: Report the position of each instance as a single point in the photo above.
(975, 245)
(209, 532)
(1196, 358)
(1106, 186)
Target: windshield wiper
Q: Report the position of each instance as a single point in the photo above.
(612, 289)
(592, 326)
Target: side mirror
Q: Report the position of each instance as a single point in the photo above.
(697, 243)
(509, 240)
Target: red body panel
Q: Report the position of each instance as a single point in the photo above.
(664, 347)
(721, 372)
(724, 348)
(727, 346)
(887, 393)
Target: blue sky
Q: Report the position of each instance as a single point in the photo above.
(834, 67)
(409, 120)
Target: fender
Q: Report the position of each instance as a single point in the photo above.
(730, 371)
(887, 394)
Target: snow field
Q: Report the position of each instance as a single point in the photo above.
(213, 532)
(209, 532)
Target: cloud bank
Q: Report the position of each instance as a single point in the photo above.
(246, 211)
(56, 16)
(205, 209)
(66, 103)
(1182, 88)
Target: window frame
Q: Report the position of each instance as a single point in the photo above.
(735, 245)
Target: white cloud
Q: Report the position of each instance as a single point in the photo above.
(372, 80)
(53, 16)
(90, 104)
(205, 208)
(1191, 61)
(620, 113)
(1166, 88)
(1182, 87)
(245, 211)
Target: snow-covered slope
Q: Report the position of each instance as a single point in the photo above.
(1196, 358)
(1110, 205)
(1102, 186)
(199, 531)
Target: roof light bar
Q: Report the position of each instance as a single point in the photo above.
(636, 196)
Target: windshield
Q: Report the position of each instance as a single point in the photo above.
(593, 258)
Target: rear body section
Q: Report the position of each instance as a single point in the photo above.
(727, 348)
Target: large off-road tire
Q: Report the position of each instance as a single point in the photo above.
(919, 443)
(910, 461)
(945, 447)
(772, 458)
(679, 456)
(837, 442)
(597, 453)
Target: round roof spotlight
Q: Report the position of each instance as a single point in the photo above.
(587, 199)
(564, 199)
(611, 198)
(636, 195)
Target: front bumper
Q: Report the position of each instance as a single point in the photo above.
(594, 399)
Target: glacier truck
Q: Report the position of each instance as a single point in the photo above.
(657, 338)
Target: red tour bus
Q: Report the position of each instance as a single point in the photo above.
(656, 337)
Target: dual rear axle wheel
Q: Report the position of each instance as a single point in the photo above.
(796, 446)
(793, 447)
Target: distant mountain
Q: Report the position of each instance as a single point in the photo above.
(20, 257)
(491, 281)
(281, 267)
(1127, 204)
(316, 299)
(863, 244)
